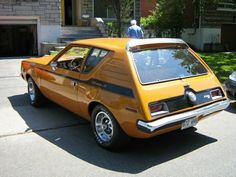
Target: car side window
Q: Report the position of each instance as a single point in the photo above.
(94, 58)
(73, 58)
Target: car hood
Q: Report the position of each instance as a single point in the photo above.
(41, 60)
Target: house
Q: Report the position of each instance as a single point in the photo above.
(27, 26)
(212, 27)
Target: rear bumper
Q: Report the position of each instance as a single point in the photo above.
(170, 121)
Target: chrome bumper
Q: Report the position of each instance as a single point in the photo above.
(179, 118)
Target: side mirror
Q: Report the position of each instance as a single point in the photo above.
(53, 65)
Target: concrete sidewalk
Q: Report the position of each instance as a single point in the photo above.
(17, 115)
(51, 141)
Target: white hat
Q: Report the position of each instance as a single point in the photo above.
(133, 22)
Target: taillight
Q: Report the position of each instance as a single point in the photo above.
(157, 109)
(216, 94)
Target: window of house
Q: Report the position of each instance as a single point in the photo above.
(101, 10)
(104, 11)
(94, 58)
(226, 5)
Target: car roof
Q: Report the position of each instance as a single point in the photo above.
(105, 43)
(125, 43)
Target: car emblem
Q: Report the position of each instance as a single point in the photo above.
(207, 96)
(191, 96)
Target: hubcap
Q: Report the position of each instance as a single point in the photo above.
(104, 126)
(31, 90)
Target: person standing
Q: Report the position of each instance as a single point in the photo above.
(134, 31)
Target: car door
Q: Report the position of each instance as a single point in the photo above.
(89, 86)
(59, 81)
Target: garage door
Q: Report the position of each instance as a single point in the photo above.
(228, 36)
(18, 40)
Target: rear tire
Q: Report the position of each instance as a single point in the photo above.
(35, 96)
(106, 129)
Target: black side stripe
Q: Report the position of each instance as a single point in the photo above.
(104, 85)
(112, 87)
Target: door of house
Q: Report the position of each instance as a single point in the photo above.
(71, 12)
(228, 35)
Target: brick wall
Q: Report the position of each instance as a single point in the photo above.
(47, 10)
(215, 18)
(146, 7)
(211, 17)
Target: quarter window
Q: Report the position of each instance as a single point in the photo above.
(94, 58)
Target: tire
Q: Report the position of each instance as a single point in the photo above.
(106, 129)
(35, 96)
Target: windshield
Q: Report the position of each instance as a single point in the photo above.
(156, 65)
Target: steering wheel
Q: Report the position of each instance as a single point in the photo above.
(75, 63)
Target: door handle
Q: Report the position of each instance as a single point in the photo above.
(74, 83)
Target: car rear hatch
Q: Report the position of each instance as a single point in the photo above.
(171, 79)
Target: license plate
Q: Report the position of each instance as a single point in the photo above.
(189, 123)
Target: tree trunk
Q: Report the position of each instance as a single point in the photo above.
(119, 27)
(118, 16)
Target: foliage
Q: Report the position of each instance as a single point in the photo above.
(111, 28)
(222, 64)
(166, 18)
(170, 17)
(203, 5)
(150, 21)
(54, 53)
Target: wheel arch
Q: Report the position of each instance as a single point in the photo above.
(93, 104)
(119, 137)
(27, 76)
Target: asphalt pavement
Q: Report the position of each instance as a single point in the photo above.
(53, 142)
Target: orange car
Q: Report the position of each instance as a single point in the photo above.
(127, 87)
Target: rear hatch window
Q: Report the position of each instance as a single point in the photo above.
(168, 63)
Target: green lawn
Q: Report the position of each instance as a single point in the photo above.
(223, 64)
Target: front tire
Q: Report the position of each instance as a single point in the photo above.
(106, 129)
(35, 95)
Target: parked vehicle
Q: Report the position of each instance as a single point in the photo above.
(127, 87)
(231, 85)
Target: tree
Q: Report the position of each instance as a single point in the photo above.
(167, 18)
(170, 16)
(122, 10)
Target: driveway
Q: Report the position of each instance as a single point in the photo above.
(53, 142)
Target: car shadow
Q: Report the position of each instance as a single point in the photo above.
(78, 140)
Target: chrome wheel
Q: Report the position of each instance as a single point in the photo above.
(104, 126)
(31, 89)
(106, 129)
